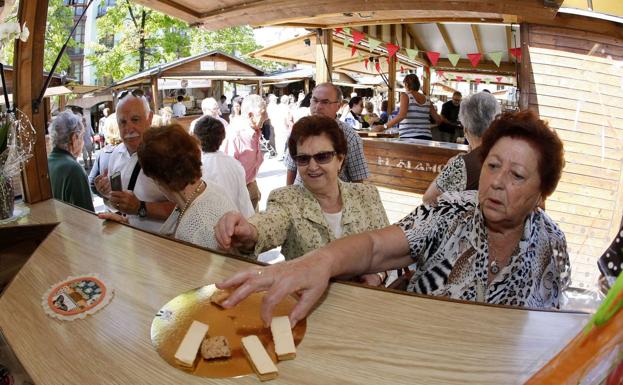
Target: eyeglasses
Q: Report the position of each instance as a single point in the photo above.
(136, 92)
(324, 102)
(320, 158)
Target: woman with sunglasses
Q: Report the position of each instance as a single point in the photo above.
(302, 218)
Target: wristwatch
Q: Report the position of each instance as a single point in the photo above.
(142, 210)
(385, 126)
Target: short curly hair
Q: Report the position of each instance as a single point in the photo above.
(527, 126)
(316, 125)
(171, 156)
(412, 82)
(210, 132)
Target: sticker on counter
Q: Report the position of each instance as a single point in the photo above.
(76, 297)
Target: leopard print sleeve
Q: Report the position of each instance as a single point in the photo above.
(454, 175)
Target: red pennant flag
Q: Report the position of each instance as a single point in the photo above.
(378, 66)
(338, 30)
(353, 50)
(459, 78)
(515, 52)
(433, 57)
(477, 81)
(357, 37)
(499, 79)
(392, 49)
(439, 73)
(402, 69)
(365, 61)
(474, 58)
(387, 60)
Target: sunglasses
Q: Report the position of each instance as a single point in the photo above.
(136, 92)
(320, 158)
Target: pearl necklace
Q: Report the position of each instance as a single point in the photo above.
(188, 202)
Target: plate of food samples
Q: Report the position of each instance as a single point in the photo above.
(194, 333)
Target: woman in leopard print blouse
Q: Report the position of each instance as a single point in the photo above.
(495, 245)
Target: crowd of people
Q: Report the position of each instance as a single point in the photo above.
(480, 235)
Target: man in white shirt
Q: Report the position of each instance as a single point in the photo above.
(210, 107)
(143, 203)
(179, 109)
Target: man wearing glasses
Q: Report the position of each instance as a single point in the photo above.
(139, 199)
(325, 101)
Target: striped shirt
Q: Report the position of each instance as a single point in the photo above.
(416, 124)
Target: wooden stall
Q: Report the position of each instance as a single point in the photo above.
(357, 335)
(407, 164)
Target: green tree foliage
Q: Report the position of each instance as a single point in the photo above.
(59, 22)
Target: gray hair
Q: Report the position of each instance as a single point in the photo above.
(478, 111)
(209, 105)
(252, 104)
(63, 127)
(143, 99)
(336, 89)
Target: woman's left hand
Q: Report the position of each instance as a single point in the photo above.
(113, 217)
(125, 201)
(371, 279)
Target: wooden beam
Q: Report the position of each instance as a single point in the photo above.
(476, 33)
(312, 24)
(446, 37)
(365, 29)
(27, 83)
(324, 56)
(416, 41)
(403, 36)
(379, 32)
(525, 71)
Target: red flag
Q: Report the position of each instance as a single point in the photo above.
(499, 79)
(439, 73)
(338, 30)
(378, 66)
(474, 58)
(515, 52)
(402, 69)
(387, 60)
(365, 61)
(392, 49)
(477, 81)
(433, 57)
(459, 78)
(357, 36)
(353, 50)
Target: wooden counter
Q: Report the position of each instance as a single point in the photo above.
(356, 335)
(407, 164)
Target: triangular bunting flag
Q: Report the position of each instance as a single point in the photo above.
(353, 50)
(474, 58)
(496, 57)
(477, 81)
(433, 57)
(459, 78)
(387, 60)
(450, 76)
(365, 61)
(439, 73)
(402, 69)
(357, 37)
(345, 41)
(373, 43)
(487, 81)
(378, 66)
(411, 53)
(360, 56)
(499, 79)
(346, 29)
(515, 52)
(392, 49)
(454, 58)
(338, 30)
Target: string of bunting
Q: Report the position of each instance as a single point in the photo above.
(474, 58)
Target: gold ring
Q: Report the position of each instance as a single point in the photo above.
(259, 272)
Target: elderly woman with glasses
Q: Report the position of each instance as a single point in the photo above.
(68, 178)
(302, 218)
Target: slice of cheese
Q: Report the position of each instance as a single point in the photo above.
(259, 358)
(282, 337)
(187, 351)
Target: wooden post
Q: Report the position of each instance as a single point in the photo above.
(62, 101)
(306, 86)
(426, 81)
(155, 94)
(391, 76)
(324, 56)
(28, 80)
(525, 71)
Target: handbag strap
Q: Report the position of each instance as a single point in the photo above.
(135, 172)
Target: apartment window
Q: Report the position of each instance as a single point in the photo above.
(75, 70)
(473, 87)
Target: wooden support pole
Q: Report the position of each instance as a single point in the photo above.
(525, 70)
(155, 94)
(426, 81)
(27, 83)
(324, 56)
(391, 76)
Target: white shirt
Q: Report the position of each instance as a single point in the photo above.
(191, 129)
(179, 109)
(145, 189)
(228, 173)
(334, 220)
(197, 224)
